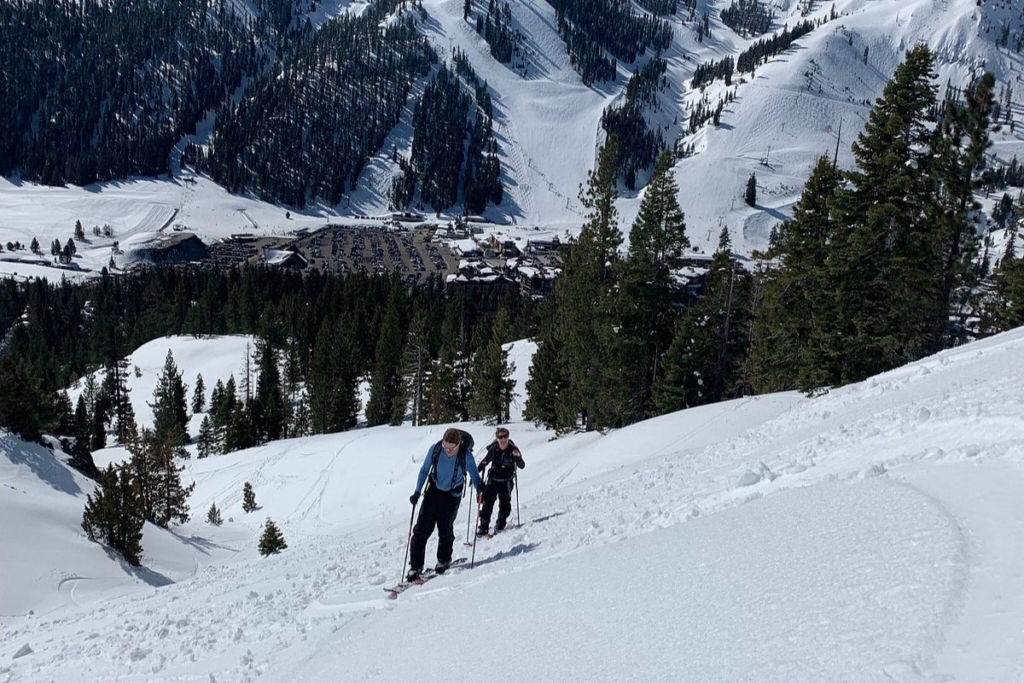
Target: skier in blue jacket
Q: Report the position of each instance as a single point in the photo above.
(444, 472)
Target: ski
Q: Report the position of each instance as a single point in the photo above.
(428, 574)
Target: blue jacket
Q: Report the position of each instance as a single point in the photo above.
(449, 477)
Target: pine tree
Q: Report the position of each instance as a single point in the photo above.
(885, 265)
(1004, 307)
(300, 422)
(207, 441)
(750, 194)
(114, 516)
(213, 515)
(222, 410)
(83, 425)
(170, 412)
(115, 391)
(248, 498)
(386, 380)
(581, 327)
(268, 410)
(793, 285)
(199, 396)
(648, 294)
(490, 374)
(24, 408)
(705, 362)
(415, 366)
(332, 385)
(547, 378)
(272, 540)
(442, 396)
(63, 415)
(959, 147)
(240, 433)
(157, 477)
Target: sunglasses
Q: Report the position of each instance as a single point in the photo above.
(502, 436)
(449, 446)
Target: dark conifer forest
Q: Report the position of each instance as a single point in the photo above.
(596, 33)
(292, 136)
(102, 90)
(328, 332)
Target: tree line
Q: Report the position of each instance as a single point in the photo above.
(318, 336)
(592, 28)
(748, 17)
(454, 153)
(639, 144)
(305, 130)
(878, 267)
(104, 89)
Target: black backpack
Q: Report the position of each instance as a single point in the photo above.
(467, 445)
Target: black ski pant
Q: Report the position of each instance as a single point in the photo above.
(502, 491)
(439, 509)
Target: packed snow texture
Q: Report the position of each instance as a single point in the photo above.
(871, 534)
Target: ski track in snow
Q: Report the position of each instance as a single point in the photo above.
(242, 627)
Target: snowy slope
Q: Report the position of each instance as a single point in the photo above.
(872, 534)
(547, 123)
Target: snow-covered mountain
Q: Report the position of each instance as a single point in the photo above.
(871, 534)
(812, 99)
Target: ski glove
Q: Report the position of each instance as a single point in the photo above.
(414, 498)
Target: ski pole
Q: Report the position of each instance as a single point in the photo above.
(515, 485)
(469, 511)
(472, 560)
(408, 542)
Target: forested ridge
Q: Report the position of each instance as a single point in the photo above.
(100, 90)
(429, 350)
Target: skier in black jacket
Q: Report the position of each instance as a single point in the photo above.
(503, 457)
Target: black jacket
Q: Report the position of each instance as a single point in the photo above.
(503, 463)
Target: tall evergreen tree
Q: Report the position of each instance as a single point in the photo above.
(170, 411)
(115, 391)
(114, 516)
(157, 477)
(443, 396)
(1003, 307)
(25, 408)
(415, 366)
(547, 378)
(199, 395)
(885, 263)
(333, 380)
(705, 361)
(648, 294)
(207, 440)
(222, 410)
(959, 151)
(248, 498)
(490, 374)
(170, 497)
(581, 329)
(268, 409)
(83, 425)
(240, 432)
(793, 285)
(386, 378)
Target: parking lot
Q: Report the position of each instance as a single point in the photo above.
(343, 249)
